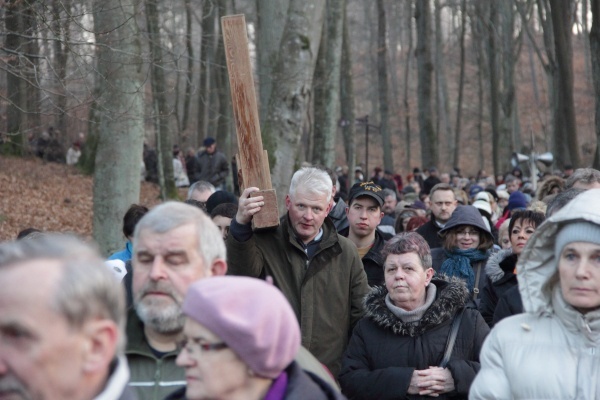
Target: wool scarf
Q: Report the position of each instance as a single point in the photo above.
(458, 263)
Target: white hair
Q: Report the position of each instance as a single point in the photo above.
(313, 181)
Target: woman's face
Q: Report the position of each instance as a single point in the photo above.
(520, 234)
(210, 373)
(467, 237)
(579, 271)
(406, 280)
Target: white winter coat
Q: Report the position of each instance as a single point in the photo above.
(552, 351)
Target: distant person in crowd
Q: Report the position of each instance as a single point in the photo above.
(344, 181)
(150, 158)
(337, 212)
(550, 351)
(467, 244)
(200, 191)
(431, 180)
(377, 175)
(358, 175)
(445, 178)
(584, 178)
(549, 186)
(306, 249)
(501, 267)
(190, 162)
(364, 215)
(397, 350)
(567, 171)
(211, 165)
(504, 236)
(443, 204)
(220, 197)
(388, 182)
(239, 341)
(62, 318)
(389, 211)
(179, 174)
(415, 223)
(134, 214)
(512, 184)
(516, 201)
(222, 215)
(503, 197)
(73, 154)
(404, 216)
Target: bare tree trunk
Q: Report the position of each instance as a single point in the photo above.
(14, 26)
(120, 112)
(347, 99)
(382, 80)
(429, 144)
(61, 10)
(461, 84)
(187, 97)
(443, 107)
(565, 120)
(209, 10)
(223, 132)
(327, 85)
(408, 13)
(595, 51)
(292, 88)
(494, 91)
(271, 21)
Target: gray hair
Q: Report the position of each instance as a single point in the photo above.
(200, 186)
(583, 175)
(171, 215)
(313, 181)
(408, 242)
(86, 289)
(389, 193)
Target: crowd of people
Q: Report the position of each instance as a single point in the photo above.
(386, 288)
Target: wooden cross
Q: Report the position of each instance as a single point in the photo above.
(252, 160)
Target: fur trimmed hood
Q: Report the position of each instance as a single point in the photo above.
(548, 184)
(452, 294)
(494, 267)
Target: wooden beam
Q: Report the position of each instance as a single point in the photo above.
(252, 157)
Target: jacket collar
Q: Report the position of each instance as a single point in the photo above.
(452, 294)
(499, 264)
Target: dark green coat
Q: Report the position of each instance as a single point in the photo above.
(326, 292)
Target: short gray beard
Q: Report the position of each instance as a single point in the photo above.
(9, 383)
(167, 321)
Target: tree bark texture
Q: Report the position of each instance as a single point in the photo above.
(120, 110)
(327, 89)
(429, 145)
(461, 84)
(382, 84)
(207, 57)
(595, 59)
(347, 99)
(565, 119)
(292, 88)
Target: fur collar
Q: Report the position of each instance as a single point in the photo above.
(493, 268)
(452, 294)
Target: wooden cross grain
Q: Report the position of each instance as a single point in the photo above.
(253, 163)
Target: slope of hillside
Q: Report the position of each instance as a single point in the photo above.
(49, 197)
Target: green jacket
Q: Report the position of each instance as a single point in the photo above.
(326, 292)
(152, 377)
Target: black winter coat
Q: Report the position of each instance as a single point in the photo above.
(302, 385)
(500, 277)
(372, 261)
(430, 231)
(509, 304)
(384, 351)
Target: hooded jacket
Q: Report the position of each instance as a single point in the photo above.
(500, 277)
(552, 350)
(384, 351)
(548, 184)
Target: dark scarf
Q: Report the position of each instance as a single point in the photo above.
(458, 263)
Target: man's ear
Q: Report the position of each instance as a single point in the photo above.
(101, 337)
(218, 267)
(288, 201)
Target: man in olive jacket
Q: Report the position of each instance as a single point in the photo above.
(318, 270)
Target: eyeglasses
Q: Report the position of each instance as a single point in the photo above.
(464, 233)
(190, 343)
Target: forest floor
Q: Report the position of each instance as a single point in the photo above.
(50, 197)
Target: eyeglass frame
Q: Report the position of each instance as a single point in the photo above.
(464, 233)
(204, 347)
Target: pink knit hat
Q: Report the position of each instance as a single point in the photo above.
(252, 317)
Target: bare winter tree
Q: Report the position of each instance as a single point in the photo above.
(595, 53)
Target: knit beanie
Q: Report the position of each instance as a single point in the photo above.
(581, 231)
(251, 316)
(516, 200)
